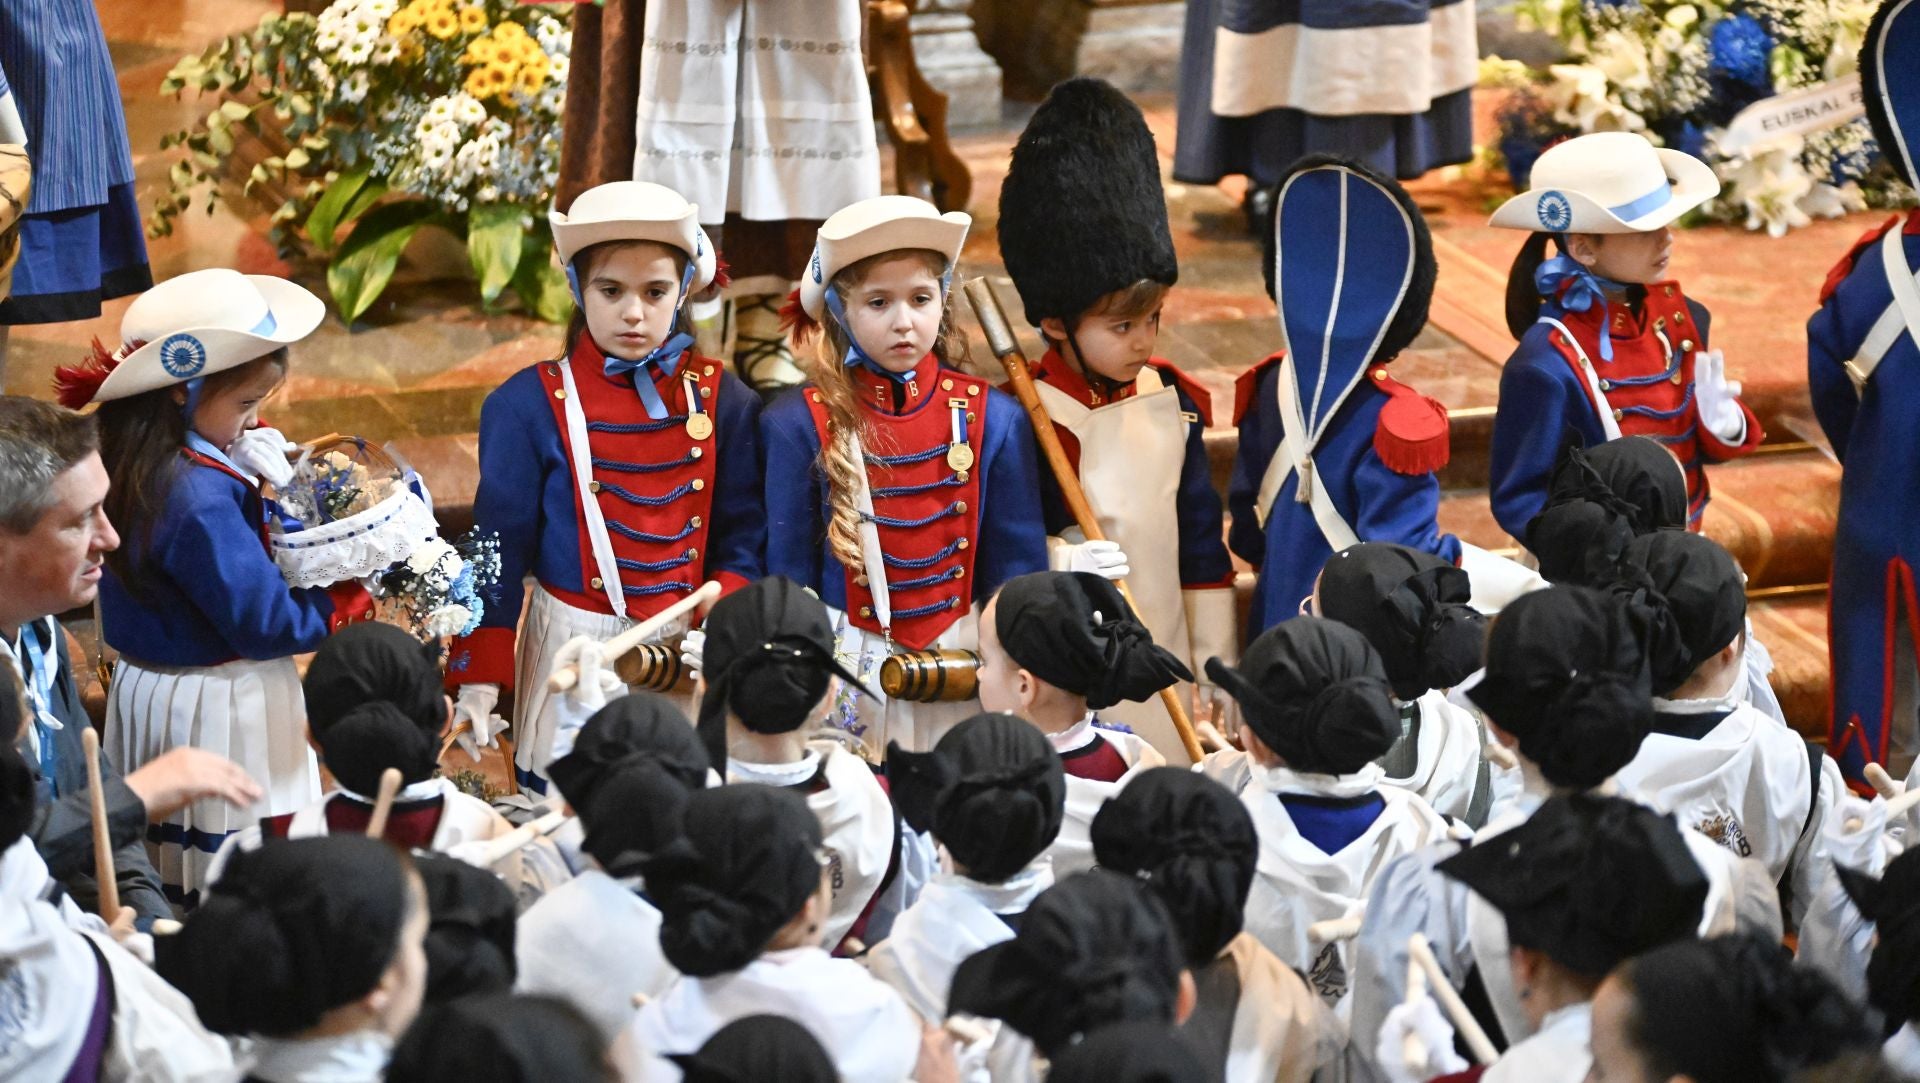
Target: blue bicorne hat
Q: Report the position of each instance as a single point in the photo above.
(1353, 274)
(1890, 82)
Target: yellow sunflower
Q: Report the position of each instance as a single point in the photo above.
(532, 80)
(402, 23)
(473, 20)
(508, 30)
(480, 51)
(502, 67)
(443, 24)
(479, 83)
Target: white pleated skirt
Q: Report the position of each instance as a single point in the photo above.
(548, 624)
(874, 722)
(250, 712)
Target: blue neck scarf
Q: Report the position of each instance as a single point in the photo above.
(664, 358)
(1584, 289)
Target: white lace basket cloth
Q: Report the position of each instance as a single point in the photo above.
(362, 544)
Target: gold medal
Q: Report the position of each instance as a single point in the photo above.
(959, 457)
(699, 426)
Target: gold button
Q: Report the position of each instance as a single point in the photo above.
(973, 389)
(960, 506)
(962, 477)
(1618, 414)
(593, 486)
(559, 392)
(1686, 344)
(969, 417)
(706, 392)
(816, 396)
(1606, 385)
(962, 543)
(1660, 323)
(957, 573)
(866, 612)
(1676, 378)
(953, 603)
(698, 451)
(709, 370)
(694, 522)
(596, 582)
(946, 385)
(1669, 291)
(1379, 374)
(699, 484)
(693, 553)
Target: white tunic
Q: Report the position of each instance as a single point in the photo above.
(1448, 756)
(1297, 883)
(1556, 1053)
(360, 1057)
(1072, 851)
(868, 1031)
(596, 942)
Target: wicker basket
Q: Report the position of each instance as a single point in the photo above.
(389, 515)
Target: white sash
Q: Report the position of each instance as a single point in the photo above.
(1295, 455)
(1902, 313)
(1608, 425)
(596, 522)
(872, 561)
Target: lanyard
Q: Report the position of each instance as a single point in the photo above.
(37, 674)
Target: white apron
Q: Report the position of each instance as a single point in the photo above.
(857, 821)
(1131, 454)
(593, 941)
(1072, 849)
(1448, 757)
(1745, 784)
(953, 918)
(867, 1030)
(760, 108)
(253, 713)
(1296, 883)
(1557, 1054)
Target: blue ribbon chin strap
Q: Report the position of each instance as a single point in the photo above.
(1583, 290)
(664, 357)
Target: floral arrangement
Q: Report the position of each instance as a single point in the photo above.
(350, 511)
(441, 588)
(1679, 71)
(397, 117)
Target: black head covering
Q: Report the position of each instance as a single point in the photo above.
(1588, 881)
(1314, 691)
(1130, 1053)
(1081, 209)
(374, 701)
(1689, 597)
(759, 1049)
(1892, 903)
(746, 865)
(632, 766)
(1074, 631)
(1193, 843)
(470, 929)
(1095, 948)
(1412, 606)
(16, 794)
(1567, 675)
(992, 791)
(290, 931)
(502, 1038)
(1600, 498)
(1735, 1009)
(769, 659)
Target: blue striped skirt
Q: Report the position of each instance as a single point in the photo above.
(71, 260)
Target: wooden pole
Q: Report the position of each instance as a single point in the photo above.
(1005, 347)
(383, 802)
(1420, 954)
(566, 677)
(103, 873)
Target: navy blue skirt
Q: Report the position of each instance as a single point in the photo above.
(71, 260)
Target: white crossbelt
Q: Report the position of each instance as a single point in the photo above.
(1902, 314)
(1295, 455)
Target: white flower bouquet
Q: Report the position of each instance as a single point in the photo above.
(1679, 71)
(441, 589)
(440, 113)
(351, 511)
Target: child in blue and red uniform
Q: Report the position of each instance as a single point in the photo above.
(1609, 346)
(1863, 367)
(900, 489)
(1083, 230)
(1333, 451)
(205, 625)
(621, 476)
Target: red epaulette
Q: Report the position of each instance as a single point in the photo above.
(1202, 398)
(1248, 383)
(1845, 267)
(1411, 438)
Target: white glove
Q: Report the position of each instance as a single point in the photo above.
(475, 707)
(1213, 631)
(693, 652)
(1421, 1020)
(1102, 558)
(597, 684)
(1717, 398)
(262, 452)
(1862, 848)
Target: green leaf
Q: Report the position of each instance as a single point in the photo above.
(298, 158)
(364, 264)
(542, 285)
(234, 110)
(494, 236)
(343, 201)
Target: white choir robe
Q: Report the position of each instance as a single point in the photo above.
(1448, 760)
(1280, 1029)
(1072, 851)
(954, 918)
(595, 942)
(1747, 783)
(863, 838)
(1834, 937)
(1902, 1051)
(866, 1028)
(1410, 895)
(1558, 1052)
(1297, 883)
(531, 871)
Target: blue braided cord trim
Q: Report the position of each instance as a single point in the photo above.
(1682, 438)
(908, 459)
(923, 610)
(530, 781)
(643, 468)
(627, 428)
(632, 497)
(887, 520)
(652, 565)
(1646, 381)
(656, 588)
(1692, 518)
(631, 534)
(1664, 415)
(947, 482)
(923, 581)
(892, 561)
(170, 834)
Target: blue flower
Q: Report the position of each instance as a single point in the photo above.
(1739, 46)
(1686, 137)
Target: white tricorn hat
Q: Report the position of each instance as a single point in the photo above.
(1608, 182)
(203, 322)
(873, 226)
(634, 211)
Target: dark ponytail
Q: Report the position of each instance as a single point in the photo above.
(1523, 297)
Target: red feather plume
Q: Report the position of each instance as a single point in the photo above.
(795, 321)
(74, 386)
(722, 272)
